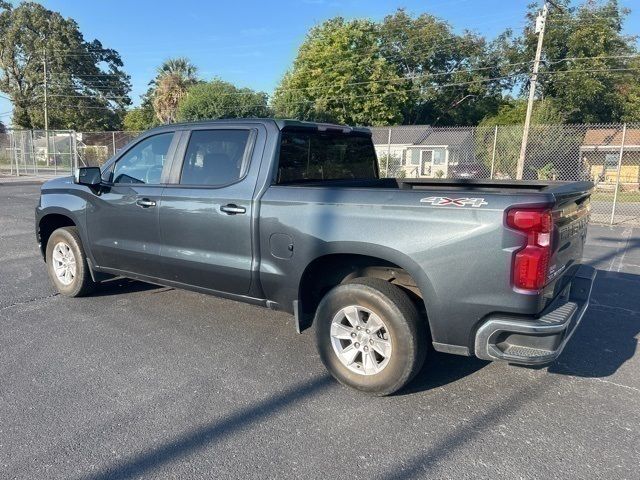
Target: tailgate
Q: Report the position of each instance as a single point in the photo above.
(570, 218)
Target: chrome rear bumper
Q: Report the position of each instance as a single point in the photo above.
(540, 340)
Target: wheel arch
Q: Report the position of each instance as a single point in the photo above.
(339, 263)
(49, 221)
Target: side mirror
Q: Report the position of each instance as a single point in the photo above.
(89, 176)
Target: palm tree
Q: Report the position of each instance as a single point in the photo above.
(173, 79)
(180, 66)
(171, 88)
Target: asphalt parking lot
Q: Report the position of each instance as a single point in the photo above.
(142, 381)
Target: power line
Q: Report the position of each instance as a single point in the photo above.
(90, 96)
(418, 87)
(89, 50)
(383, 94)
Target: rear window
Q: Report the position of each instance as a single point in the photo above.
(311, 155)
(214, 157)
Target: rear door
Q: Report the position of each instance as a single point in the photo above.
(206, 211)
(122, 220)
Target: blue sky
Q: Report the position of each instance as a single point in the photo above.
(251, 42)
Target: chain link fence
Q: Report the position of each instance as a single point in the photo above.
(606, 154)
(57, 152)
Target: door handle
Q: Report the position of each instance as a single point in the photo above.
(232, 209)
(146, 203)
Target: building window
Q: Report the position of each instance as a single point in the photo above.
(611, 161)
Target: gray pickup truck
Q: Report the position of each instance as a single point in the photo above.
(294, 216)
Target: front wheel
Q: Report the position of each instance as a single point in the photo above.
(370, 336)
(67, 263)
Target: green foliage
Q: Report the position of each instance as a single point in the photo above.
(341, 75)
(219, 99)
(447, 76)
(174, 78)
(181, 66)
(546, 172)
(140, 118)
(513, 112)
(170, 90)
(88, 89)
(603, 89)
(390, 165)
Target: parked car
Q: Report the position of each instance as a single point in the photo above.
(469, 170)
(294, 216)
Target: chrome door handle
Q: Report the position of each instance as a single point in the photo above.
(145, 203)
(232, 209)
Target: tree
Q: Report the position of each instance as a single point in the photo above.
(341, 75)
(512, 112)
(587, 67)
(3, 129)
(549, 141)
(219, 99)
(170, 90)
(181, 66)
(88, 90)
(451, 79)
(173, 79)
(140, 118)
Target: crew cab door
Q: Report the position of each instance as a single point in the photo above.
(122, 220)
(206, 210)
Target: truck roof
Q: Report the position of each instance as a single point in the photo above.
(278, 122)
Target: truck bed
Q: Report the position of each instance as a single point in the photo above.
(485, 185)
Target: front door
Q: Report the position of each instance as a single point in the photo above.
(433, 163)
(122, 221)
(205, 218)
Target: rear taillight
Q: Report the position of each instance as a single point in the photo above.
(531, 263)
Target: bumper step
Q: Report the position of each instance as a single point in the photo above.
(520, 351)
(539, 340)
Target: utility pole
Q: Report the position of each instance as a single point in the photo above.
(541, 22)
(46, 112)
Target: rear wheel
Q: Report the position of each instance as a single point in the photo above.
(370, 336)
(67, 263)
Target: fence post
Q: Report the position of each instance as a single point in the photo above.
(71, 163)
(14, 154)
(22, 152)
(33, 152)
(74, 141)
(493, 155)
(386, 173)
(55, 156)
(113, 141)
(615, 192)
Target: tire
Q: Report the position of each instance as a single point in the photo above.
(403, 336)
(66, 254)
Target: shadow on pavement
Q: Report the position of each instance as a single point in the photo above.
(606, 338)
(120, 286)
(174, 449)
(467, 432)
(441, 369)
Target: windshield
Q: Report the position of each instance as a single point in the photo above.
(307, 155)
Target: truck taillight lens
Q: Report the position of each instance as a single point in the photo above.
(531, 263)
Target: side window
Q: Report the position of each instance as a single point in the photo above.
(214, 157)
(144, 162)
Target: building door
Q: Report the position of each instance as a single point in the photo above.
(426, 163)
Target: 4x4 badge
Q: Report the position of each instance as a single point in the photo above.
(456, 202)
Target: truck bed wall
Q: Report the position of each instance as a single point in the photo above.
(460, 257)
